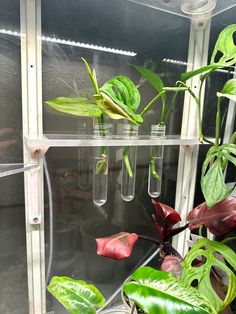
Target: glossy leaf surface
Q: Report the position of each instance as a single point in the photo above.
(78, 106)
(166, 213)
(207, 249)
(123, 93)
(111, 109)
(117, 246)
(212, 179)
(229, 90)
(225, 45)
(159, 292)
(213, 186)
(219, 219)
(153, 78)
(76, 295)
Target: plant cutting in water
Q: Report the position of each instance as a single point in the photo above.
(158, 130)
(181, 284)
(118, 98)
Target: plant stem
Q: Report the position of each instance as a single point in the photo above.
(232, 141)
(101, 121)
(228, 239)
(133, 308)
(200, 231)
(166, 118)
(151, 103)
(218, 123)
(152, 163)
(149, 239)
(127, 162)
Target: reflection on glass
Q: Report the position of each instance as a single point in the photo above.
(129, 164)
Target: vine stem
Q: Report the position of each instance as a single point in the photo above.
(218, 123)
(127, 162)
(228, 239)
(151, 103)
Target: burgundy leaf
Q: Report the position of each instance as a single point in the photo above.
(166, 213)
(117, 246)
(219, 219)
(173, 265)
(172, 232)
(159, 229)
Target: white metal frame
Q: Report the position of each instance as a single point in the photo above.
(32, 125)
(188, 155)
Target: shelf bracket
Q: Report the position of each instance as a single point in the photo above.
(38, 152)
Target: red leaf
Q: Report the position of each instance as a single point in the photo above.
(219, 219)
(159, 229)
(118, 246)
(173, 265)
(168, 214)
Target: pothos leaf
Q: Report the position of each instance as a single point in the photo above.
(78, 106)
(188, 75)
(229, 90)
(225, 45)
(123, 92)
(153, 78)
(207, 249)
(155, 291)
(76, 295)
(118, 246)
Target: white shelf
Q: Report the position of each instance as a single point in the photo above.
(73, 140)
(10, 169)
(174, 7)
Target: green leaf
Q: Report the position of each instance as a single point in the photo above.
(76, 295)
(229, 147)
(229, 90)
(112, 110)
(212, 183)
(78, 106)
(153, 78)
(208, 249)
(188, 75)
(123, 92)
(225, 45)
(160, 292)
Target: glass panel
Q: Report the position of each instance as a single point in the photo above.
(13, 271)
(77, 221)
(110, 39)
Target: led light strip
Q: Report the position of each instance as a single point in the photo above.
(186, 63)
(175, 61)
(74, 43)
(88, 46)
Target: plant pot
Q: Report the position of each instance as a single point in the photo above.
(65, 241)
(97, 268)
